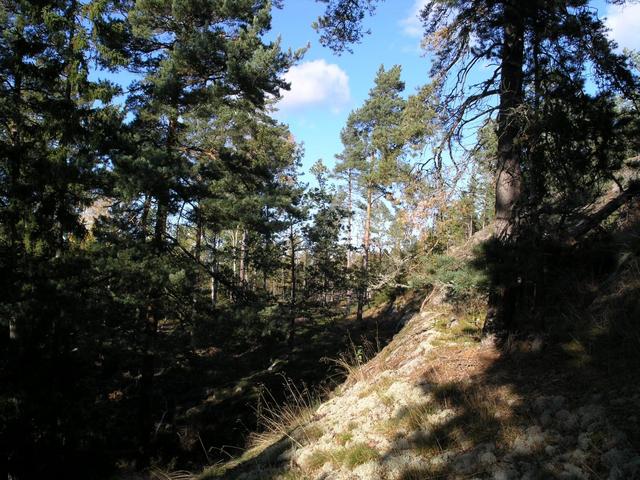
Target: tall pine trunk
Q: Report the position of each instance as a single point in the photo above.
(150, 341)
(509, 180)
(349, 234)
(197, 280)
(362, 290)
(243, 258)
(292, 271)
(214, 272)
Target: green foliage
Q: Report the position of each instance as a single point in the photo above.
(149, 242)
(462, 278)
(341, 23)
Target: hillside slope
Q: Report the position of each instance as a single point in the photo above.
(439, 403)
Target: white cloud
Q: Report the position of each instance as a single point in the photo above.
(316, 83)
(412, 25)
(622, 21)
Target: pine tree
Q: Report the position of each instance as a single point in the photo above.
(540, 51)
(56, 130)
(199, 134)
(374, 146)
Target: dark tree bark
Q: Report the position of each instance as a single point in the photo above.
(502, 306)
(292, 272)
(362, 288)
(509, 179)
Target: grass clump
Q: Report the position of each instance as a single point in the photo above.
(356, 454)
(416, 417)
(318, 458)
(343, 438)
(292, 475)
(219, 469)
(291, 420)
(353, 360)
(311, 433)
(349, 457)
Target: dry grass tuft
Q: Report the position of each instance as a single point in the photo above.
(353, 361)
(291, 420)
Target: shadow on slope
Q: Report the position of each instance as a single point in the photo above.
(558, 403)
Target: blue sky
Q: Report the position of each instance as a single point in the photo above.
(326, 87)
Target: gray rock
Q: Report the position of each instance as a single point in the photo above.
(577, 456)
(616, 474)
(632, 468)
(549, 403)
(530, 441)
(442, 459)
(584, 441)
(486, 459)
(590, 415)
(532, 474)
(550, 450)
(615, 438)
(546, 417)
(556, 402)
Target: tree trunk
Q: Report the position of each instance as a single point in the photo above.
(243, 258)
(292, 270)
(234, 247)
(214, 272)
(144, 217)
(362, 290)
(502, 309)
(13, 210)
(349, 234)
(349, 227)
(509, 181)
(153, 312)
(197, 253)
(149, 343)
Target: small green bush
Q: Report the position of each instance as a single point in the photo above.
(463, 278)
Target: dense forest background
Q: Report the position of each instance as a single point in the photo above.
(163, 264)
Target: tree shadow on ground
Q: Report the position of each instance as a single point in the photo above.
(217, 395)
(561, 404)
(558, 404)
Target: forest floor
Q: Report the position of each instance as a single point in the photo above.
(439, 402)
(214, 397)
(423, 395)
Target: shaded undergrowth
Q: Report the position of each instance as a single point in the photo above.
(221, 401)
